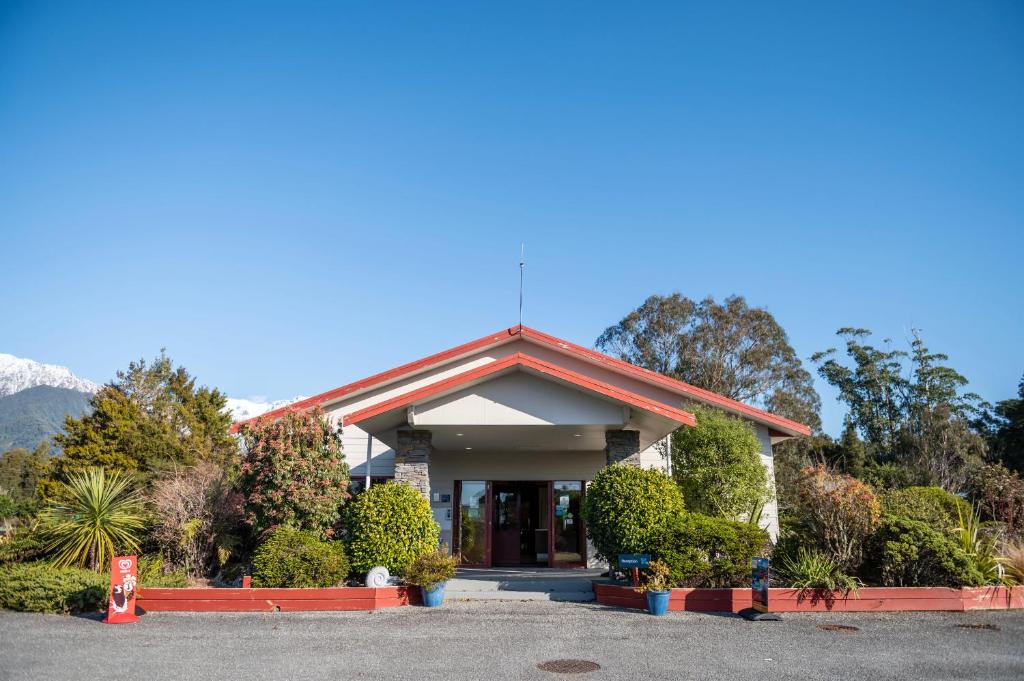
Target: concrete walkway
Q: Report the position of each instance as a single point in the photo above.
(522, 584)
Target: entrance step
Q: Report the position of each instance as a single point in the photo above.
(534, 584)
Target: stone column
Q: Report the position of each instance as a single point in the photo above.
(412, 460)
(622, 446)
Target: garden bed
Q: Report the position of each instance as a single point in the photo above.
(274, 600)
(867, 599)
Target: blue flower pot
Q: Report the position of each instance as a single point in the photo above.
(657, 602)
(433, 597)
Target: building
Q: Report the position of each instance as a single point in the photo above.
(503, 433)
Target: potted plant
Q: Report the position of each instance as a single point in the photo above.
(430, 571)
(657, 587)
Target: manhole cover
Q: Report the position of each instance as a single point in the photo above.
(568, 666)
(987, 627)
(843, 628)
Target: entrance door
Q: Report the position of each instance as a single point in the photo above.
(517, 512)
(473, 523)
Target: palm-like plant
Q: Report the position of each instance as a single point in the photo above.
(100, 515)
(980, 548)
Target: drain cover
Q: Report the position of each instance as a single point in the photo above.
(568, 666)
(987, 627)
(844, 628)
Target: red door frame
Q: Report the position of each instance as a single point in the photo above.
(489, 523)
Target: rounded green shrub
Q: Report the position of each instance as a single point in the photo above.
(41, 587)
(628, 509)
(702, 551)
(905, 552)
(717, 463)
(932, 506)
(294, 558)
(389, 525)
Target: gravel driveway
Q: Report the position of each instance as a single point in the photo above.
(506, 640)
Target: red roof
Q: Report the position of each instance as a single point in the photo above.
(519, 359)
(786, 426)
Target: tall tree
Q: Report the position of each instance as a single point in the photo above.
(910, 407)
(1005, 430)
(149, 418)
(730, 348)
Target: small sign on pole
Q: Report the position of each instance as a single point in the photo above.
(634, 561)
(124, 580)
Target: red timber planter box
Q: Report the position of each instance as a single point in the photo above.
(272, 600)
(867, 599)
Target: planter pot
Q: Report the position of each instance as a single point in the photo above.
(433, 597)
(657, 602)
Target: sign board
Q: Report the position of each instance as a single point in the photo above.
(124, 580)
(634, 560)
(760, 575)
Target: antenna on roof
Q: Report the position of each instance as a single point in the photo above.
(522, 266)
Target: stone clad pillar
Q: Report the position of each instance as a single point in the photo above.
(412, 460)
(622, 446)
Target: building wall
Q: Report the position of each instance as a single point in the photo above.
(770, 514)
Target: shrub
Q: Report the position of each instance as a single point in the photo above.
(702, 551)
(810, 569)
(23, 545)
(197, 518)
(933, 506)
(838, 511)
(999, 494)
(154, 574)
(431, 569)
(42, 587)
(293, 473)
(296, 558)
(389, 525)
(904, 552)
(718, 465)
(1013, 562)
(100, 517)
(627, 510)
(890, 475)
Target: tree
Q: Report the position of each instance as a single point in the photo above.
(293, 472)
(100, 517)
(717, 464)
(909, 407)
(730, 348)
(1006, 430)
(21, 470)
(149, 419)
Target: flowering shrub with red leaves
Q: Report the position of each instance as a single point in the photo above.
(838, 511)
(293, 472)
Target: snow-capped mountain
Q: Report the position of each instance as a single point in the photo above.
(17, 374)
(242, 409)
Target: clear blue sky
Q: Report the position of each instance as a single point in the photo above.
(292, 196)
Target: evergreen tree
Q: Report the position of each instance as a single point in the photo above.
(149, 418)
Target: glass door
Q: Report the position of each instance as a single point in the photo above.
(472, 536)
(568, 539)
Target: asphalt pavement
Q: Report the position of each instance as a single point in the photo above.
(507, 640)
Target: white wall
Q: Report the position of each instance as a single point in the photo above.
(770, 514)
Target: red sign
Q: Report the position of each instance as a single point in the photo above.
(124, 580)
